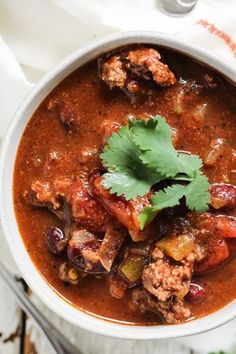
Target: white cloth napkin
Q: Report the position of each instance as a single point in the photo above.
(37, 34)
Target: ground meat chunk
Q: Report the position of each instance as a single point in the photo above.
(126, 69)
(76, 193)
(61, 185)
(114, 73)
(163, 279)
(51, 194)
(171, 310)
(45, 192)
(145, 63)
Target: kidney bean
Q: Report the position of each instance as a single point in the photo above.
(223, 196)
(196, 293)
(55, 240)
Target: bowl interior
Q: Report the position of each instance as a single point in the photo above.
(9, 149)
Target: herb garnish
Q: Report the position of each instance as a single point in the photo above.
(142, 154)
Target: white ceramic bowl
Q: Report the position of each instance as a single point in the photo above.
(13, 237)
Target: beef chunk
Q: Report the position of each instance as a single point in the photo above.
(163, 279)
(145, 63)
(171, 310)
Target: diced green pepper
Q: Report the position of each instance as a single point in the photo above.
(178, 247)
(132, 267)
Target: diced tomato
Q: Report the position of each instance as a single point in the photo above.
(232, 245)
(222, 226)
(214, 235)
(117, 206)
(136, 206)
(125, 211)
(218, 253)
(226, 227)
(87, 210)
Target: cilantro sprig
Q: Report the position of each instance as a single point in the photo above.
(141, 155)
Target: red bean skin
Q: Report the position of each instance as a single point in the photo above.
(195, 294)
(223, 196)
(55, 240)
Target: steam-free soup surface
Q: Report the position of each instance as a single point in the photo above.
(64, 138)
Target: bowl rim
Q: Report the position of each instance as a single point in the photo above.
(32, 276)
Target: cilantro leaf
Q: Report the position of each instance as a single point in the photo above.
(168, 197)
(140, 155)
(121, 150)
(127, 174)
(154, 139)
(196, 193)
(189, 163)
(146, 216)
(130, 183)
